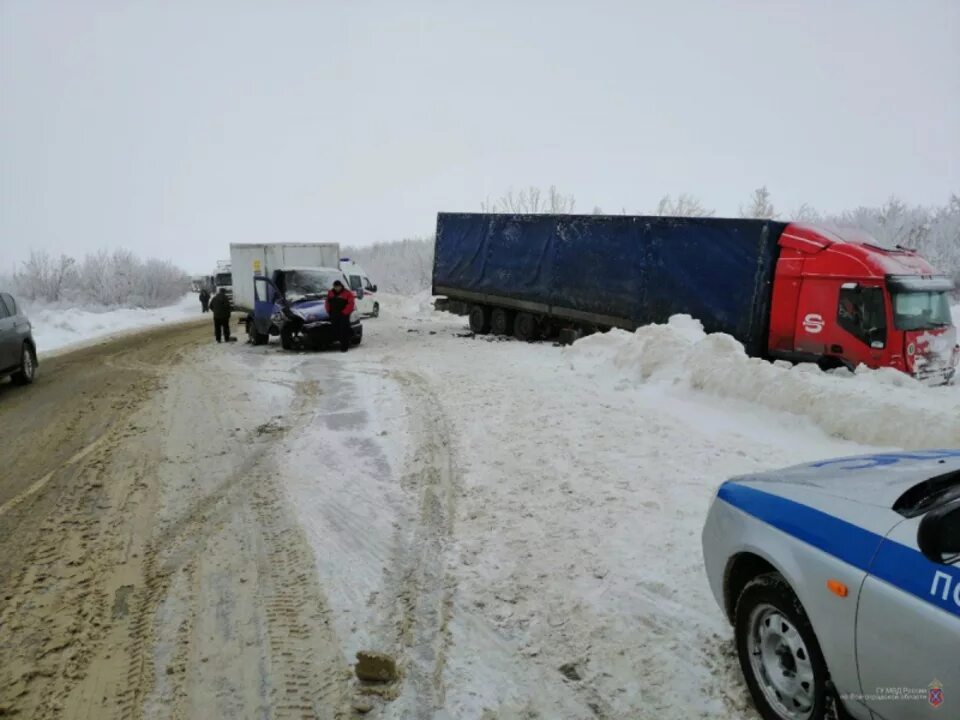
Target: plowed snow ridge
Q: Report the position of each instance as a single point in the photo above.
(874, 407)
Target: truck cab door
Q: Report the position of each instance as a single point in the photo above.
(265, 296)
(862, 320)
(908, 630)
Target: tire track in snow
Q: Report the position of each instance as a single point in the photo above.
(422, 585)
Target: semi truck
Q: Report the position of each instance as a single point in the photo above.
(281, 289)
(223, 278)
(791, 291)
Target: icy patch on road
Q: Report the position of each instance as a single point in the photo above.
(55, 328)
(874, 407)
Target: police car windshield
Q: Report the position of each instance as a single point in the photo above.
(303, 283)
(921, 310)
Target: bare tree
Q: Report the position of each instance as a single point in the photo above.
(760, 205)
(530, 201)
(806, 213)
(685, 206)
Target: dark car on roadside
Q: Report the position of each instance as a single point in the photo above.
(18, 352)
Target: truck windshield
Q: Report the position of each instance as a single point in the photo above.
(921, 310)
(224, 279)
(299, 284)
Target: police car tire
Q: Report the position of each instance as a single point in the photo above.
(772, 589)
(376, 309)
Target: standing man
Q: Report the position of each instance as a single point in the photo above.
(220, 305)
(204, 299)
(340, 304)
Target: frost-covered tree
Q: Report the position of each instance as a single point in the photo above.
(43, 277)
(760, 205)
(102, 279)
(402, 266)
(806, 213)
(684, 206)
(530, 200)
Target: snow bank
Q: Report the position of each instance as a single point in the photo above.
(55, 327)
(874, 407)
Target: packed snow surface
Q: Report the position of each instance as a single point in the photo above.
(55, 328)
(520, 523)
(875, 407)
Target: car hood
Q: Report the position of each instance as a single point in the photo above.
(310, 310)
(874, 480)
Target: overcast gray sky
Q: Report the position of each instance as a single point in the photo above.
(174, 128)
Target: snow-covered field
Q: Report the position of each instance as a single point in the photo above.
(56, 328)
(520, 523)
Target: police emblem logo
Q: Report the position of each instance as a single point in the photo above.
(935, 694)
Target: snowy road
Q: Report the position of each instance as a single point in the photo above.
(543, 524)
(519, 525)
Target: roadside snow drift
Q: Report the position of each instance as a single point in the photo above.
(874, 407)
(55, 328)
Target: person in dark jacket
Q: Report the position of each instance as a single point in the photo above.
(340, 304)
(204, 300)
(220, 305)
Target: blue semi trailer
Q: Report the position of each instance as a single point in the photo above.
(531, 275)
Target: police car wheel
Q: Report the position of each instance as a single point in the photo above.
(376, 310)
(779, 653)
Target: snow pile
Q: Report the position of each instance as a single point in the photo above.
(874, 407)
(56, 327)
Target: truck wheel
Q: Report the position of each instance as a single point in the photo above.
(526, 327)
(779, 653)
(480, 319)
(376, 309)
(286, 338)
(257, 338)
(28, 366)
(501, 322)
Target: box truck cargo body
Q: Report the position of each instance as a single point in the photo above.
(250, 259)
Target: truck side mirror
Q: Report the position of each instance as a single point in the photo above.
(939, 534)
(374, 288)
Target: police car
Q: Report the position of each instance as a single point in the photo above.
(842, 581)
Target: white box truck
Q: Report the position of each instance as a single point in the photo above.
(249, 259)
(281, 289)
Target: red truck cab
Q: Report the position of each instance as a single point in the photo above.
(839, 299)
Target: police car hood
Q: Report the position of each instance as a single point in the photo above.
(875, 480)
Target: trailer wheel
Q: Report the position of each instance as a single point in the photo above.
(480, 319)
(526, 327)
(501, 322)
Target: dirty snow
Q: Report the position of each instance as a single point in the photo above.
(56, 328)
(520, 523)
